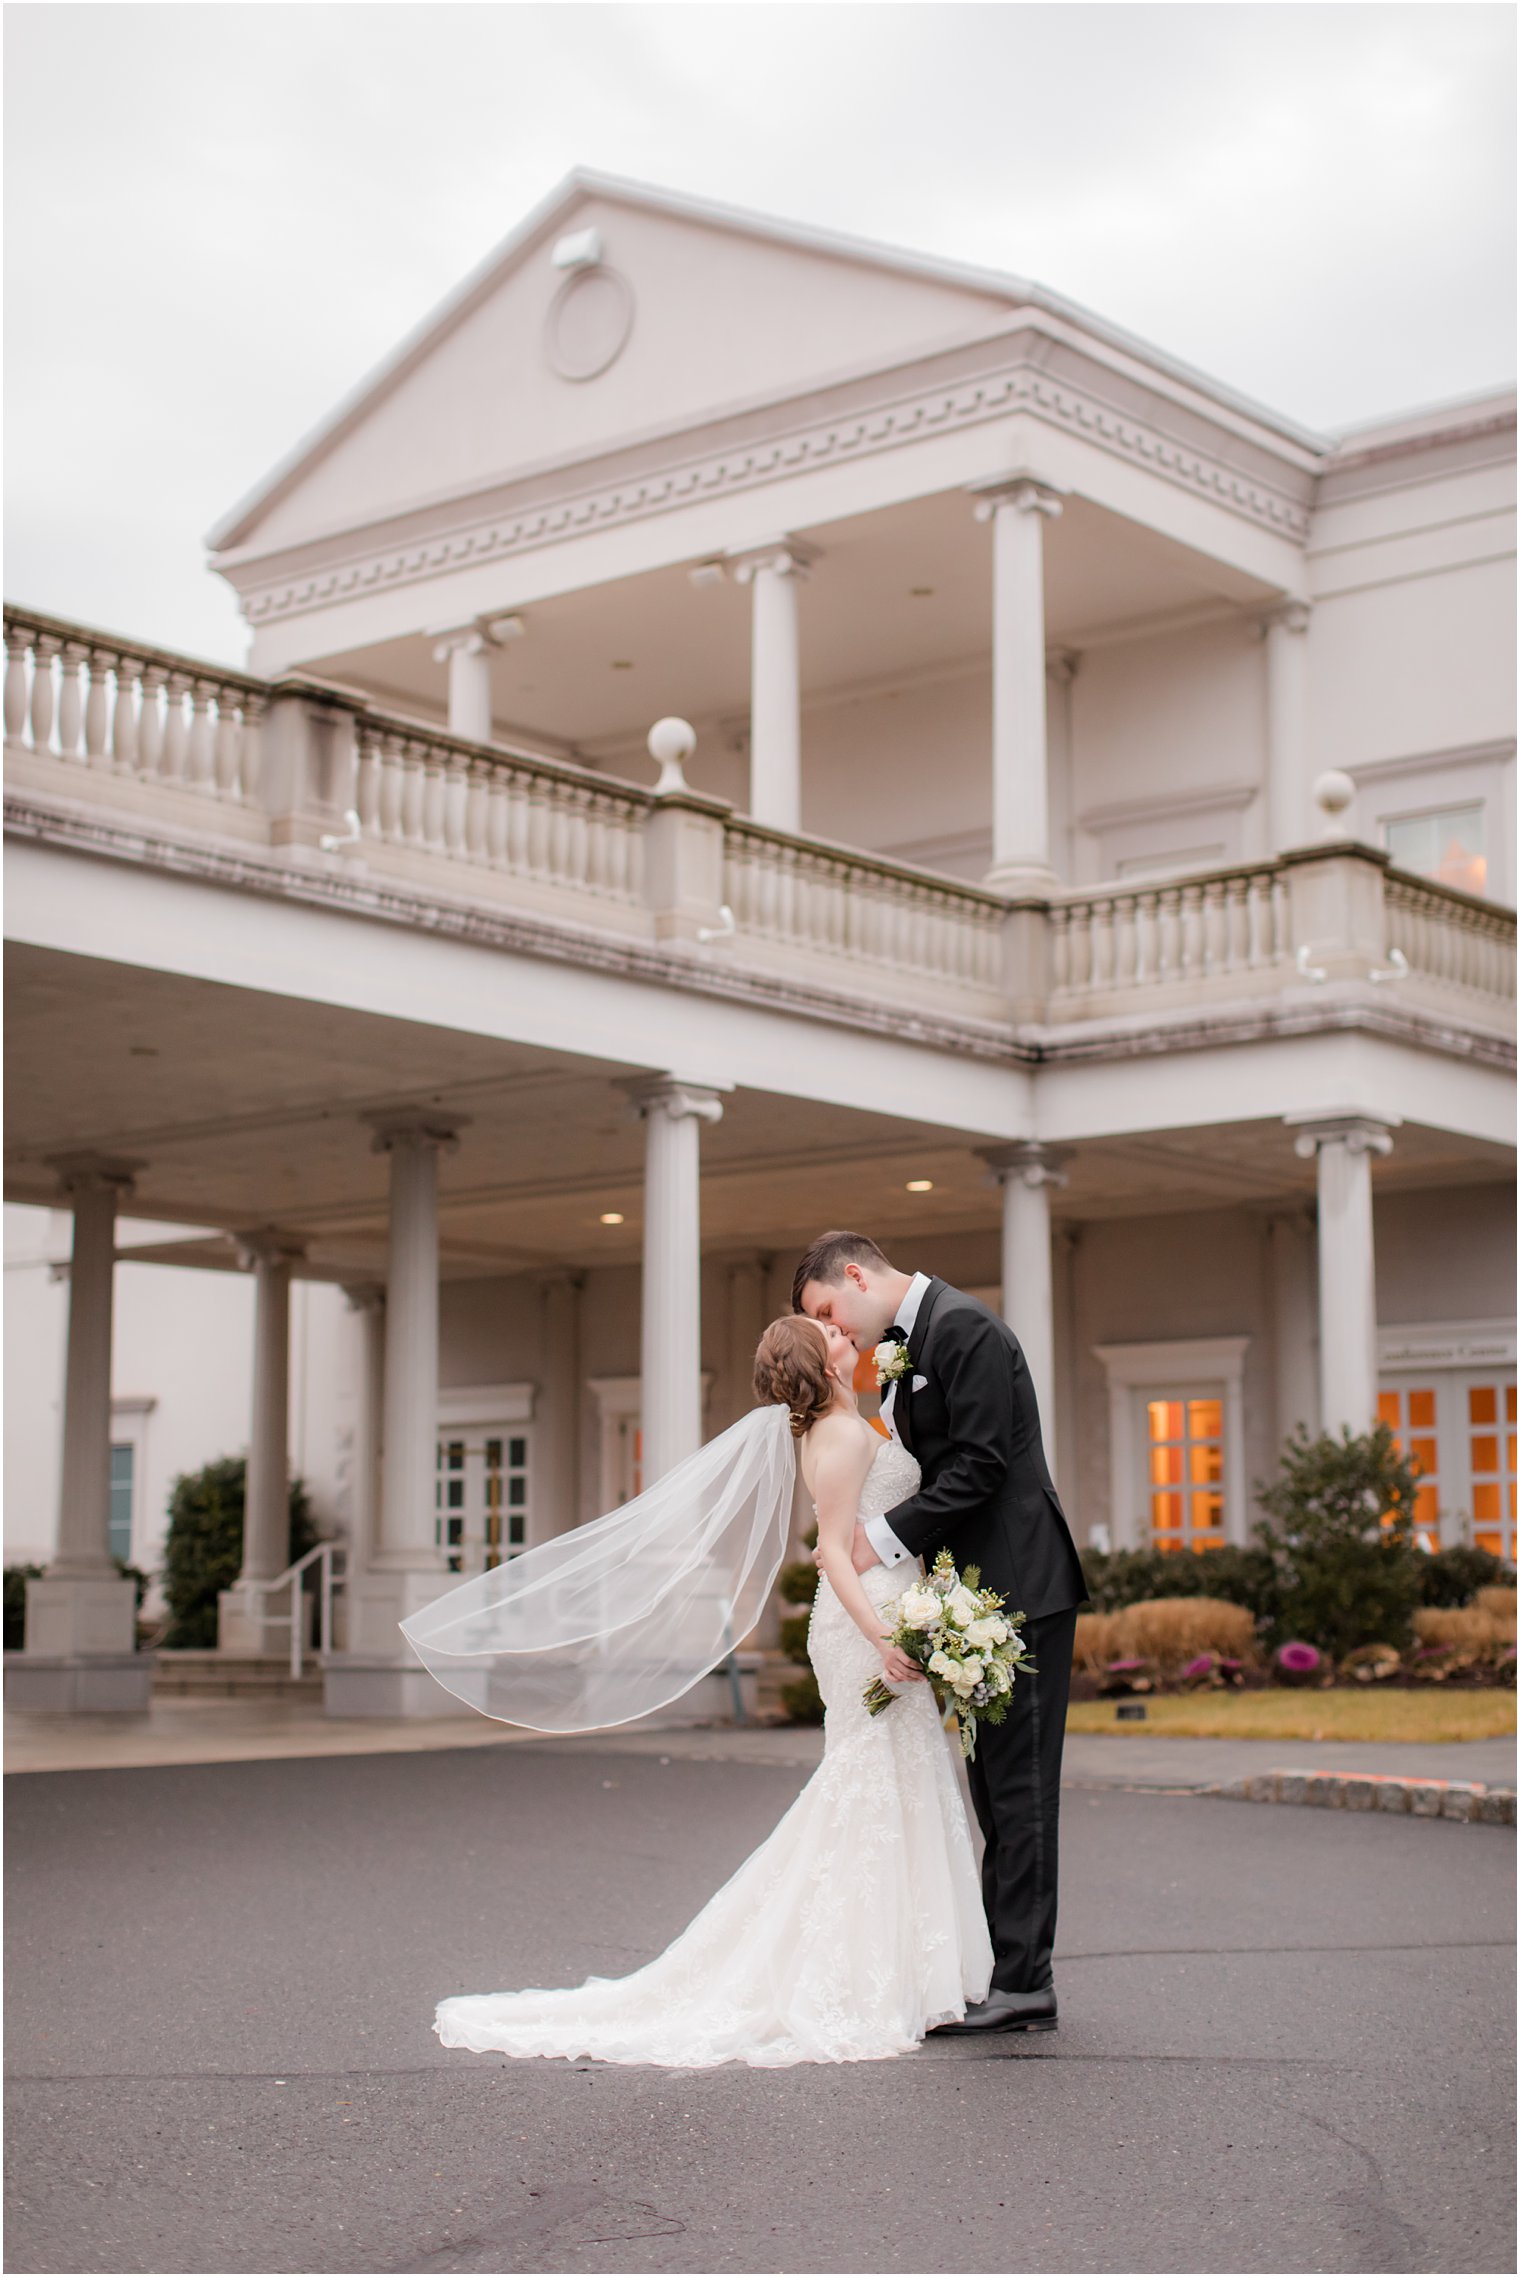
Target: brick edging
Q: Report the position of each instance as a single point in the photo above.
(1376, 1791)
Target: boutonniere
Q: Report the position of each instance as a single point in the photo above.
(891, 1361)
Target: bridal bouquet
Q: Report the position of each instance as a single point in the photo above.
(964, 1642)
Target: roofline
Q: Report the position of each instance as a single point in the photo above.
(1422, 420)
(584, 182)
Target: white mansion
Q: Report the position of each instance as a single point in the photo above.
(1092, 873)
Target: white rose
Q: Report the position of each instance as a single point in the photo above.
(940, 1664)
(961, 1607)
(985, 1632)
(920, 1608)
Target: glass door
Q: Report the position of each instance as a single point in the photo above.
(482, 1508)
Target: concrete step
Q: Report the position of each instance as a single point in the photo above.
(224, 1676)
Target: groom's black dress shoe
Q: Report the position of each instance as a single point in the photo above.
(1007, 2012)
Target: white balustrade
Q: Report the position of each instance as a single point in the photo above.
(1450, 938)
(852, 908)
(123, 711)
(1144, 937)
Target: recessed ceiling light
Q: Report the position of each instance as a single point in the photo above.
(612, 1217)
(920, 592)
(920, 1185)
(622, 664)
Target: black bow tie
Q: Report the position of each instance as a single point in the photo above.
(896, 1334)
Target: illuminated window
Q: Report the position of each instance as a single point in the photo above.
(1185, 1470)
(1446, 845)
(1410, 1414)
(1457, 1427)
(1491, 1452)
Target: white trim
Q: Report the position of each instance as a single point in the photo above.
(1197, 1362)
(1446, 1344)
(493, 1403)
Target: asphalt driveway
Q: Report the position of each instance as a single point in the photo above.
(1286, 2038)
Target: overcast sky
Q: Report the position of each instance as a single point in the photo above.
(220, 216)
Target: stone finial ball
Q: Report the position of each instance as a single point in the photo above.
(1333, 793)
(672, 741)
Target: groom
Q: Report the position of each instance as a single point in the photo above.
(965, 1408)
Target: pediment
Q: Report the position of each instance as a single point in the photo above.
(686, 312)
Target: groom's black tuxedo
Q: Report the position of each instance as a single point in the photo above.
(974, 1428)
(987, 1497)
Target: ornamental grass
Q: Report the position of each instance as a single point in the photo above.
(1484, 1628)
(1169, 1632)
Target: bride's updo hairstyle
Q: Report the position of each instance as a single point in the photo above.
(791, 1371)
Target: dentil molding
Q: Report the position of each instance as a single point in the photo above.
(890, 426)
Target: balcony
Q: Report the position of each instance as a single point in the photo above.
(296, 789)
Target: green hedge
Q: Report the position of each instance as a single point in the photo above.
(798, 1585)
(16, 1578)
(204, 1549)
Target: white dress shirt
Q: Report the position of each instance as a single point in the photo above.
(878, 1533)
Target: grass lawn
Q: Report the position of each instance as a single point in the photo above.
(1342, 1714)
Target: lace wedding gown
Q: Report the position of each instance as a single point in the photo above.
(854, 1927)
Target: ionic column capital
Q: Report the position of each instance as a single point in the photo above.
(673, 1098)
(394, 1129)
(476, 638)
(95, 1174)
(785, 556)
(1061, 665)
(364, 1296)
(1284, 616)
(1016, 493)
(1358, 1134)
(1027, 1162)
(267, 1245)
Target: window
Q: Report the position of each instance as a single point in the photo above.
(1446, 844)
(1456, 1425)
(1491, 1455)
(1176, 1436)
(482, 1505)
(1185, 1470)
(123, 1466)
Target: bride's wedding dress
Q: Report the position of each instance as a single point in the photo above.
(854, 1927)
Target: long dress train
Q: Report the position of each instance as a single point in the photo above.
(855, 1926)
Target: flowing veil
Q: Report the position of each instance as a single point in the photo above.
(621, 1616)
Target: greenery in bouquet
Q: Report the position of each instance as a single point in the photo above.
(968, 1647)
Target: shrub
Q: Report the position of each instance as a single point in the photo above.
(1238, 1576)
(1372, 1663)
(16, 1579)
(1125, 1676)
(1339, 1531)
(1298, 1663)
(204, 1549)
(1453, 1577)
(802, 1701)
(1212, 1672)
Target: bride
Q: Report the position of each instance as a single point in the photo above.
(857, 1926)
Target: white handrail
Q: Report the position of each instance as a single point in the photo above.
(293, 1578)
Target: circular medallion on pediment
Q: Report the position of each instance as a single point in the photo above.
(588, 323)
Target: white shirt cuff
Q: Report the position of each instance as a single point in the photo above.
(883, 1541)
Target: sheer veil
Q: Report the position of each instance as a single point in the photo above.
(620, 1617)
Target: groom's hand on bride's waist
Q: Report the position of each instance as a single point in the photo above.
(862, 1554)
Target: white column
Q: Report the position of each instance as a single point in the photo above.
(1018, 510)
(467, 650)
(84, 1503)
(80, 1654)
(671, 1328)
(405, 1542)
(775, 723)
(557, 1413)
(1344, 1146)
(1026, 1172)
(1284, 632)
(367, 1304)
(748, 1317)
(1293, 1330)
(243, 1623)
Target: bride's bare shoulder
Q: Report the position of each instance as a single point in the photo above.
(840, 1437)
